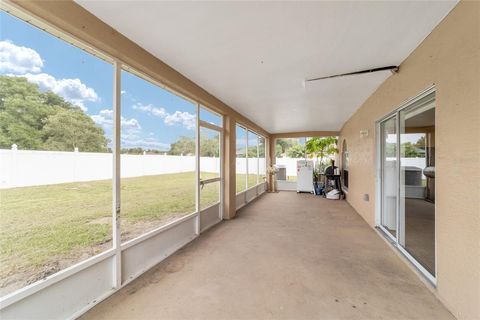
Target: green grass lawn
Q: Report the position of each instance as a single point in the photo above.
(252, 181)
(47, 228)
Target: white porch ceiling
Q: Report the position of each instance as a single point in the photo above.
(254, 56)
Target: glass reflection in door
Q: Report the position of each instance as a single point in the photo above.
(417, 181)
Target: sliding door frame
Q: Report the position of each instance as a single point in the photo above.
(395, 240)
(380, 180)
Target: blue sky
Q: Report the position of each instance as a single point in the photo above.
(152, 117)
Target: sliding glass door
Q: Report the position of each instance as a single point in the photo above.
(407, 182)
(417, 181)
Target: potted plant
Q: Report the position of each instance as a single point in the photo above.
(272, 171)
(321, 148)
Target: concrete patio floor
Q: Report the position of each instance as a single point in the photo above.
(285, 256)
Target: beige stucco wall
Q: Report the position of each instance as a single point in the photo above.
(449, 58)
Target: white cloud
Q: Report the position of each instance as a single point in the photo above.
(26, 62)
(148, 108)
(131, 131)
(106, 112)
(130, 124)
(72, 90)
(147, 143)
(131, 139)
(101, 120)
(18, 60)
(184, 118)
(105, 119)
(142, 107)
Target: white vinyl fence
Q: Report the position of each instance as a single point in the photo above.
(21, 168)
(290, 164)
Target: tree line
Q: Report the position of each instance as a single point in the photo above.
(35, 120)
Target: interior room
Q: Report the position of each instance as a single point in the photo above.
(239, 160)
